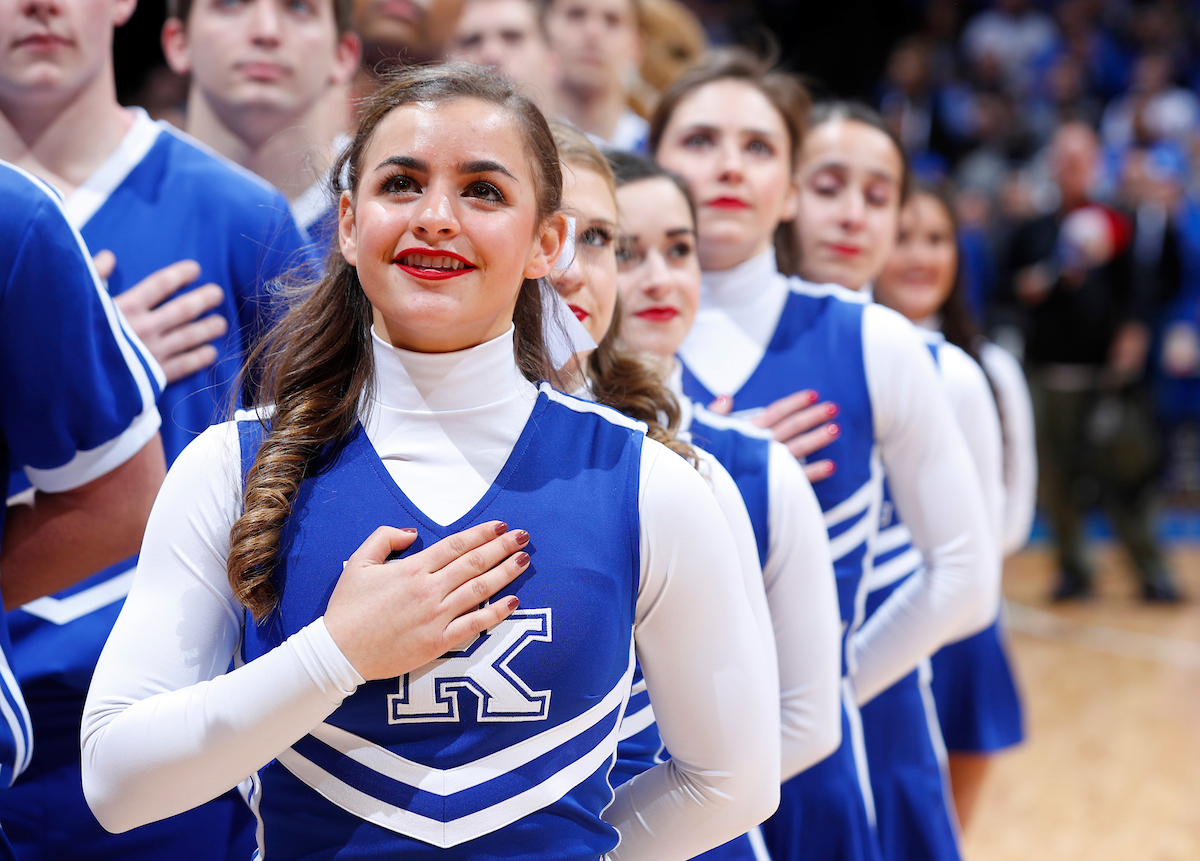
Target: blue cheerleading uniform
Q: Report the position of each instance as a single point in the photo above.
(158, 199)
(759, 337)
(501, 747)
(79, 391)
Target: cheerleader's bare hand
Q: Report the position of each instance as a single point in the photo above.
(390, 618)
(800, 423)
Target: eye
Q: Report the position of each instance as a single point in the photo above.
(597, 237)
(879, 194)
(697, 140)
(680, 250)
(399, 183)
(299, 7)
(760, 147)
(827, 184)
(480, 190)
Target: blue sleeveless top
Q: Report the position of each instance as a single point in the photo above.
(818, 345)
(500, 748)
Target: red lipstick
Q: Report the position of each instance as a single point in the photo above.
(728, 203)
(579, 313)
(441, 268)
(658, 314)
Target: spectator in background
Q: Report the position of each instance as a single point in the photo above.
(1087, 335)
(913, 109)
(1154, 110)
(674, 40)
(1015, 36)
(268, 90)
(402, 32)
(506, 35)
(598, 48)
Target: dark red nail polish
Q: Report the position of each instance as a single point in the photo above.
(501, 528)
(522, 538)
(522, 559)
(409, 530)
(512, 602)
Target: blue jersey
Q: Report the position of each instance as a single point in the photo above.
(502, 747)
(162, 199)
(158, 199)
(827, 812)
(78, 393)
(818, 344)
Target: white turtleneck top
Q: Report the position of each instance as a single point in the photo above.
(167, 727)
(801, 597)
(922, 450)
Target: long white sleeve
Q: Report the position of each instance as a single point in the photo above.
(975, 408)
(729, 499)
(925, 458)
(802, 595)
(707, 676)
(166, 727)
(1020, 445)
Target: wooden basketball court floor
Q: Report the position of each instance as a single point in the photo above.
(1111, 767)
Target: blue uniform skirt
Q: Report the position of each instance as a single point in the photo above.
(826, 813)
(914, 819)
(978, 705)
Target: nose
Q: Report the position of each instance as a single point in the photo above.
(40, 9)
(434, 220)
(656, 275)
(854, 209)
(264, 23)
(732, 166)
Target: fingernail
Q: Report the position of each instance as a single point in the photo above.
(522, 559)
(522, 537)
(832, 409)
(512, 603)
(834, 430)
(829, 467)
(812, 396)
(501, 528)
(409, 530)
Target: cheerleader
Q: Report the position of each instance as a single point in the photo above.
(375, 710)
(852, 177)
(659, 281)
(978, 705)
(732, 129)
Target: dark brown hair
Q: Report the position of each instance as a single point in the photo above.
(618, 378)
(343, 13)
(317, 364)
(784, 91)
(630, 167)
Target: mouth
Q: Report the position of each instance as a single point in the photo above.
(728, 203)
(843, 250)
(432, 265)
(42, 41)
(658, 314)
(263, 71)
(579, 313)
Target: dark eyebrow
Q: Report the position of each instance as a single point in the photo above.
(680, 231)
(485, 167)
(419, 165)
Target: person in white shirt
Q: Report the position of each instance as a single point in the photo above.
(370, 715)
(978, 704)
(733, 130)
